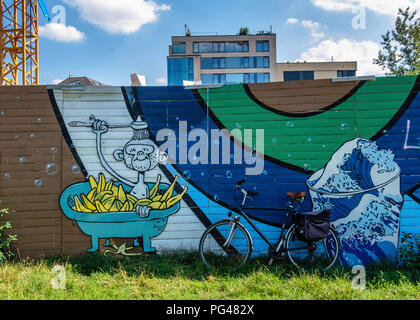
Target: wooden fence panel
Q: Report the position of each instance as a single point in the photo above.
(352, 146)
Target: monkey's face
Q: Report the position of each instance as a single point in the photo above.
(139, 155)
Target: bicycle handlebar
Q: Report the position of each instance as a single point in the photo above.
(249, 193)
(244, 192)
(239, 183)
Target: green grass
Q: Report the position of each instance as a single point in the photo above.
(183, 276)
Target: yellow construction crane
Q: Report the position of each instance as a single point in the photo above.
(19, 41)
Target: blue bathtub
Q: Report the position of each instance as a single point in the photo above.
(116, 224)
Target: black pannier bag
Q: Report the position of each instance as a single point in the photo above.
(313, 226)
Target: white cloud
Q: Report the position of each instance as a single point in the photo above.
(60, 32)
(292, 21)
(57, 81)
(385, 7)
(347, 50)
(313, 27)
(161, 81)
(122, 16)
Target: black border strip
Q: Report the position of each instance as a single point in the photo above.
(178, 188)
(201, 102)
(134, 112)
(303, 115)
(411, 97)
(188, 200)
(221, 126)
(401, 111)
(66, 133)
(407, 103)
(412, 196)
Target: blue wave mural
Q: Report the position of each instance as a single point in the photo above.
(363, 241)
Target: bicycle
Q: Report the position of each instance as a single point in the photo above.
(228, 244)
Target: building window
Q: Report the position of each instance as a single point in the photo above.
(76, 84)
(203, 47)
(233, 78)
(298, 75)
(261, 77)
(214, 47)
(235, 63)
(258, 78)
(180, 69)
(207, 63)
(179, 48)
(263, 46)
(213, 78)
(346, 73)
(259, 62)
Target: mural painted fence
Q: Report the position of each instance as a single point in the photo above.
(80, 170)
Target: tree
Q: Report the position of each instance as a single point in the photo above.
(400, 52)
(244, 31)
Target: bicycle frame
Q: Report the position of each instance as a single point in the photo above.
(290, 213)
(276, 250)
(259, 232)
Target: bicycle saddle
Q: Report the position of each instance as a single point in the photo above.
(296, 195)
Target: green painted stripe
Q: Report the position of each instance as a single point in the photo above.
(310, 142)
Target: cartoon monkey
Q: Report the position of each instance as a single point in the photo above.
(140, 154)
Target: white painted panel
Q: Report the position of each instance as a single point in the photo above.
(184, 229)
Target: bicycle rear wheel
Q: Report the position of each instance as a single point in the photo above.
(320, 255)
(225, 245)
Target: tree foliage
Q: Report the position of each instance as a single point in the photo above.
(400, 53)
(244, 31)
(6, 252)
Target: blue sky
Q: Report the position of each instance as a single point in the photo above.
(110, 41)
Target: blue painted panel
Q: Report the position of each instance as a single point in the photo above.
(221, 179)
(398, 138)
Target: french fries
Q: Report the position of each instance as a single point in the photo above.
(106, 197)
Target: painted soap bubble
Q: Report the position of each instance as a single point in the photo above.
(51, 169)
(229, 174)
(344, 126)
(186, 174)
(75, 169)
(38, 183)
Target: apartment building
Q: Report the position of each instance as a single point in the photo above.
(228, 59)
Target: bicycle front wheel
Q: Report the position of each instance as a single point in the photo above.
(320, 255)
(225, 245)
